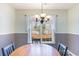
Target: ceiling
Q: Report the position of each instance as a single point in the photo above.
(45, 5)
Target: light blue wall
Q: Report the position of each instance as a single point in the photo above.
(61, 21)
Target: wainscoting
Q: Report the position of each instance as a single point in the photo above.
(20, 39)
(61, 38)
(73, 43)
(70, 40)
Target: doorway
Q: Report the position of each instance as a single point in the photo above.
(41, 32)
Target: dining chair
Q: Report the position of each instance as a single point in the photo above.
(62, 49)
(13, 46)
(8, 49)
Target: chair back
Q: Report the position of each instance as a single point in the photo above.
(62, 49)
(8, 49)
(13, 46)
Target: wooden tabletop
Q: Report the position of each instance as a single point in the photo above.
(35, 50)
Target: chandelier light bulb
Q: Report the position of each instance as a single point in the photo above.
(48, 16)
(43, 15)
(36, 16)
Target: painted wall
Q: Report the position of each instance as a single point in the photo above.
(73, 29)
(7, 24)
(7, 19)
(61, 22)
(73, 20)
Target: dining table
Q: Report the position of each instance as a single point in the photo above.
(35, 50)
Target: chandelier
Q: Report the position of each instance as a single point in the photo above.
(42, 17)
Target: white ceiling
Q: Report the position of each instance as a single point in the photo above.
(45, 5)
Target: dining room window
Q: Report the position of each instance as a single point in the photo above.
(40, 31)
(43, 32)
